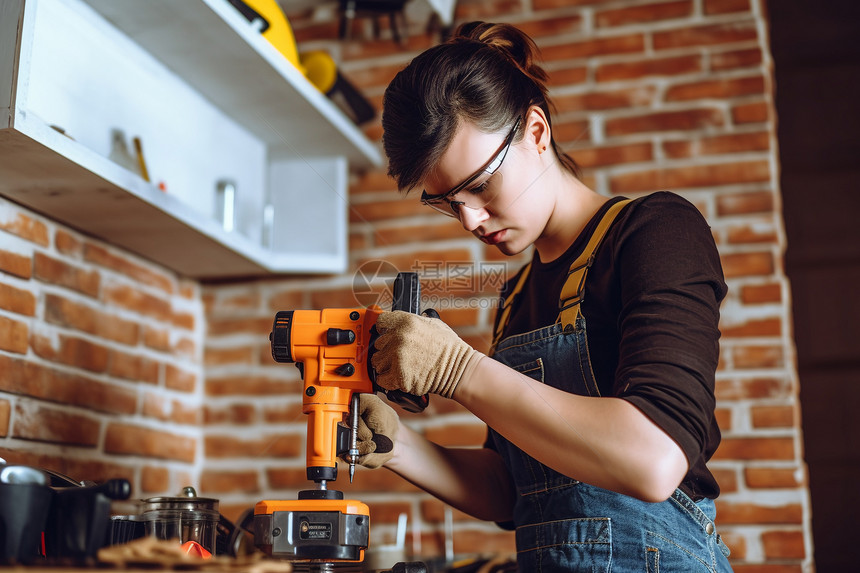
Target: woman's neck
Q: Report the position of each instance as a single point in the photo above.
(575, 205)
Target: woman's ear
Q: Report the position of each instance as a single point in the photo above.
(537, 131)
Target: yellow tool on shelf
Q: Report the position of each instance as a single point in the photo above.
(273, 24)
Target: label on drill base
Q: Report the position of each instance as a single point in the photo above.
(314, 530)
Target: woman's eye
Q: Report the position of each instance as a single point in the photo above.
(479, 188)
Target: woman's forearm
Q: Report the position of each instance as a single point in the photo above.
(474, 481)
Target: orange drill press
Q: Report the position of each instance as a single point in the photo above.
(321, 531)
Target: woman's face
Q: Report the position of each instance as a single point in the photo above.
(503, 204)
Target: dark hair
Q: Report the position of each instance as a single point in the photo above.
(485, 73)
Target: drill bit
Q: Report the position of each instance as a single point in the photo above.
(353, 443)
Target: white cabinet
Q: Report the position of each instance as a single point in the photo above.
(210, 100)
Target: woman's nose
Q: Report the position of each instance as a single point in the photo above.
(472, 218)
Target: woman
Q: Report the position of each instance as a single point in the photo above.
(599, 436)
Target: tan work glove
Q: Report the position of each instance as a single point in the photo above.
(420, 355)
(377, 430)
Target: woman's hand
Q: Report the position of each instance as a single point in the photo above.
(420, 355)
(377, 430)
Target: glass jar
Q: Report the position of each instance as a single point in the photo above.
(187, 518)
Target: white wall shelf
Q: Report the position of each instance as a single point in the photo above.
(209, 98)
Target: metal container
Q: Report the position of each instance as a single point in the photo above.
(186, 518)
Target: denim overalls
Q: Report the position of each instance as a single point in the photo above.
(566, 525)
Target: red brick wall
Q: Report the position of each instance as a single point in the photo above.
(100, 370)
(132, 371)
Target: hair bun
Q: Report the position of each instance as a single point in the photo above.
(517, 46)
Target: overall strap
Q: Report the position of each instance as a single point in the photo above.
(573, 291)
(507, 305)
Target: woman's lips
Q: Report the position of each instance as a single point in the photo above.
(494, 238)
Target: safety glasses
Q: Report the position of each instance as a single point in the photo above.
(477, 197)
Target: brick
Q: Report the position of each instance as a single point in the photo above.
(745, 203)
(16, 264)
(384, 210)
(724, 418)
(135, 300)
(222, 481)
(685, 120)
(443, 230)
(727, 480)
(467, 10)
(373, 77)
(14, 335)
(132, 367)
(40, 423)
(183, 320)
(133, 440)
(763, 567)
(783, 544)
(650, 67)
(17, 223)
(593, 100)
(72, 351)
(555, 26)
(279, 446)
(753, 233)
(643, 14)
(566, 76)
(708, 35)
(37, 381)
(79, 316)
(185, 348)
(553, 4)
(457, 434)
(387, 512)
(757, 112)
(103, 257)
(773, 478)
(723, 89)
(755, 327)
(591, 157)
(773, 417)
(156, 338)
(233, 414)
(68, 244)
(5, 414)
(567, 132)
(242, 302)
(718, 145)
(17, 300)
(736, 59)
(291, 412)
(286, 300)
(756, 449)
(160, 407)
(289, 478)
(176, 378)
(154, 479)
(79, 469)
(690, 177)
(250, 386)
(761, 294)
(751, 513)
(221, 326)
(595, 47)
(748, 264)
(233, 355)
(757, 356)
(57, 272)
(713, 7)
